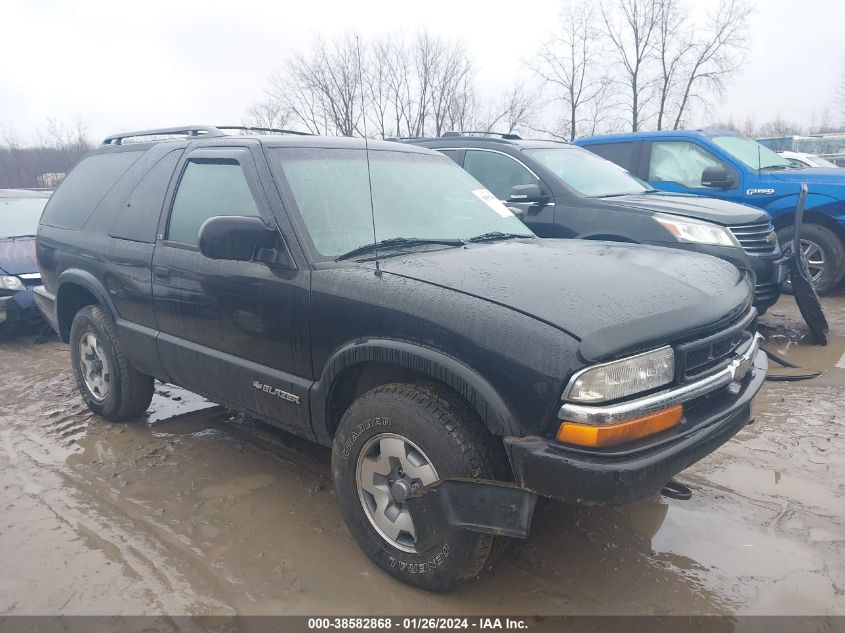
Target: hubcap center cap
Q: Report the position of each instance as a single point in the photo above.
(400, 490)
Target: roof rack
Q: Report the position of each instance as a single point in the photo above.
(271, 130)
(507, 136)
(194, 131)
(185, 130)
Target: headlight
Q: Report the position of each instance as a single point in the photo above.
(621, 378)
(11, 283)
(696, 231)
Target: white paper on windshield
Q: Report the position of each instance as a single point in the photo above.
(493, 202)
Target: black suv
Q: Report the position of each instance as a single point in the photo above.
(456, 352)
(565, 191)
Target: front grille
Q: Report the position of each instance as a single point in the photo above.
(711, 353)
(756, 238)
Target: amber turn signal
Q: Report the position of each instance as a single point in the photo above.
(597, 436)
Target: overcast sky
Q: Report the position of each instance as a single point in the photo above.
(130, 65)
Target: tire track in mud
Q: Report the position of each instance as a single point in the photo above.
(39, 439)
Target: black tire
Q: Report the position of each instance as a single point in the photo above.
(831, 247)
(454, 440)
(128, 392)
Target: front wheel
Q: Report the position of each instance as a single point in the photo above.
(823, 252)
(391, 441)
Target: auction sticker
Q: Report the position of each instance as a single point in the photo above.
(493, 202)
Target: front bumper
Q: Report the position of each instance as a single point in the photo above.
(624, 474)
(19, 311)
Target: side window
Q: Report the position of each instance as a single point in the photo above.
(454, 154)
(497, 172)
(138, 218)
(208, 188)
(619, 153)
(85, 187)
(680, 162)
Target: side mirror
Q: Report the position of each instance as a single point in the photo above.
(717, 177)
(527, 193)
(235, 237)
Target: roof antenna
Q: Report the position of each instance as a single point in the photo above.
(367, 150)
(759, 162)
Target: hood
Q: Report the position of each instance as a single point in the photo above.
(615, 298)
(826, 175)
(17, 255)
(698, 207)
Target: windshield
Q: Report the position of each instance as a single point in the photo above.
(413, 195)
(751, 153)
(587, 173)
(19, 216)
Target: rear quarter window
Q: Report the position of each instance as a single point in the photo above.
(85, 187)
(139, 215)
(619, 153)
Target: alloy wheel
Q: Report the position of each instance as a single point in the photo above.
(812, 256)
(390, 469)
(95, 366)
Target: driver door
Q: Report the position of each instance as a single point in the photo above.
(228, 329)
(677, 167)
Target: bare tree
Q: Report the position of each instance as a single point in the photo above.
(269, 113)
(715, 55)
(396, 57)
(779, 127)
(631, 28)
(513, 112)
(564, 62)
(822, 121)
(749, 127)
(439, 86)
(322, 90)
(402, 89)
(54, 148)
(517, 108)
(674, 43)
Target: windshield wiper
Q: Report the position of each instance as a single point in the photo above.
(496, 235)
(777, 167)
(617, 195)
(394, 242)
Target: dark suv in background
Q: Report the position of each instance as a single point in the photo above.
(567, 192)
(375, 298)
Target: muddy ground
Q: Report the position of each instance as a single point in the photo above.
(194, 511)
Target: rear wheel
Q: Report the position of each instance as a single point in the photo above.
(109, 385)
(823, 253)
(393, 440)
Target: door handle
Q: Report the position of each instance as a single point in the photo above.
(161, 273)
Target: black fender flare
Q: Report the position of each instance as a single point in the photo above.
(91, 284)
(437, 365)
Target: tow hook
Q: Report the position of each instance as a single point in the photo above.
(676, 490)
(478, 505)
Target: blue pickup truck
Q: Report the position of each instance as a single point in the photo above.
(727, 165)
